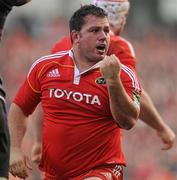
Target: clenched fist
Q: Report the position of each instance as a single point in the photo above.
(110, 68)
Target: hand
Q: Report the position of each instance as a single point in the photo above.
(36, 152)
(110, 68)
(19, 163)
(168, 137)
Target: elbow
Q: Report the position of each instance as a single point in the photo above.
(131, 120)
(127, 123)
(127, 120)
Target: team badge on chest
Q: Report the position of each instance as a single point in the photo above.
(100, 80)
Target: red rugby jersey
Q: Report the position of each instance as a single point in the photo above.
(79, 132)
(118, 46)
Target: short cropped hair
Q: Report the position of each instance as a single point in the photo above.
(78, 19)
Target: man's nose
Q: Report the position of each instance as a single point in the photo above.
(103, 35)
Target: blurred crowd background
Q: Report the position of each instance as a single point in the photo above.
(32, 30)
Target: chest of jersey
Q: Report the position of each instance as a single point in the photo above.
(65, 91)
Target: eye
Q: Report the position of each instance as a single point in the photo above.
(94, 30)
(106, 31)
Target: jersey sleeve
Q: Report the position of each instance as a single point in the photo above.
(62, 45)
(131, 84)
(29, 93)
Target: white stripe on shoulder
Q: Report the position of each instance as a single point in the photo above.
(132, 76)
(61, 52)
(132, 51)
(51, 56)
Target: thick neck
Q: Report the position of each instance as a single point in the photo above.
(81, 62)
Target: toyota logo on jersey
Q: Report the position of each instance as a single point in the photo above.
(76, 96)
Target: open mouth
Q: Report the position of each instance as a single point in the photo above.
(101, 48)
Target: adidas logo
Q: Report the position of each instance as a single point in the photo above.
(54, 73)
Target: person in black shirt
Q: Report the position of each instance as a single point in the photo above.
(4, 137)
(5, 8)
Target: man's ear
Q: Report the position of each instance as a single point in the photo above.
(75, 36)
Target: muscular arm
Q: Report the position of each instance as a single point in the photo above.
(124, 111)
(126, 115)
(151, 117)
(17, 127)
